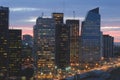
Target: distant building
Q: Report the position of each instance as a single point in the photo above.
(15, 46)
(116, 50)
(58, 17)
(74, 41)
(108, 46)
(91, 37)
(44, 44)
(27, 46)
(4, 23)
(27, 40)
(62, 56)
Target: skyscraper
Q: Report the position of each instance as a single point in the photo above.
(44, 44)
(4, 22)
(4, 18)
(10, 47)
(62, 56)
(14, 56)
(58, 17)
(62, 42)
(74, 41)
(91, 37)
(108, 44)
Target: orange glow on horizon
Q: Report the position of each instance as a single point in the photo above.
(30, 32)
(114, 34)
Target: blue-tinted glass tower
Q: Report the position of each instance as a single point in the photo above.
(91, 37)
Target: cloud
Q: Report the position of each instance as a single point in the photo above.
(112, 31)
(111, 19)
(18, 9)
(31, 19)
(110, 28)
(78, 18)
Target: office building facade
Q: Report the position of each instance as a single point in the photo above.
(27, 46)
(4, 22)
(27, 40)
(91, 37)
(58, 17)
(108, 45)
(15, 50)
(44, 44)
(62, 56)
(62, 42)
(74, 41)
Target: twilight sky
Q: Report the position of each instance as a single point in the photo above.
(23, 13)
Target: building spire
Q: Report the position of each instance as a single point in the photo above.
(74, 14)
(42, 14)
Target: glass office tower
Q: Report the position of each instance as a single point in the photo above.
(91, 37)
(62, 57)
(62, 42)
(74, 41)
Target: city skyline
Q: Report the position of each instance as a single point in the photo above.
(53, 47)
(23, 14)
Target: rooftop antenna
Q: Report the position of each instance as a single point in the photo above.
(74, 14)
(42, 14)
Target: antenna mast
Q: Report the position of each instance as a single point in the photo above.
(74, 14)
(42, 14)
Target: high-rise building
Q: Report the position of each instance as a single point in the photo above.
(74, 41)
(62, 42)
(91, 37)
(108, 45)
(14, 56)
(44, 44)
(58, 17)
(4, 22)
(4, 18)
(62, 56)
